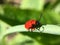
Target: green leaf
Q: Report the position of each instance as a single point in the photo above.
(19, 16)
(20, 39)
(33, 4)
(14, 29)
(1, 10)
(57, 8)
(3, 27)
(50, 17)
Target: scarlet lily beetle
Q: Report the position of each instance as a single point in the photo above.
(31, 25)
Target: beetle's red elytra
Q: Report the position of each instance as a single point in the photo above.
(29, 24)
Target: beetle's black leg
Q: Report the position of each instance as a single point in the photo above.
(38, 29)
(42, 30)
(30, 30)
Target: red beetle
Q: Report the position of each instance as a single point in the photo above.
(32, 25)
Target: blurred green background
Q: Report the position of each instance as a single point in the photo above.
(17, 12)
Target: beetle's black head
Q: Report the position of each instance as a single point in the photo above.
(38, 24)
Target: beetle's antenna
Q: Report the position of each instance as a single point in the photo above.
(40, 23)
(40, 16)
